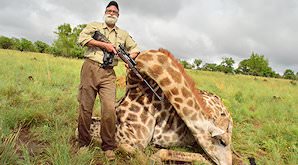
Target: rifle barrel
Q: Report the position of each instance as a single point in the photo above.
(152, 90)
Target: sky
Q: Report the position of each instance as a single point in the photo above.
(190, 29)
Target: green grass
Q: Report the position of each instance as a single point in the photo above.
(38, 112)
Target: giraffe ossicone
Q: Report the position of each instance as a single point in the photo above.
(185, 117)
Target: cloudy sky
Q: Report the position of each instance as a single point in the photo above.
(208, 30)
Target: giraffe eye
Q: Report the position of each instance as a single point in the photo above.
(222, 142)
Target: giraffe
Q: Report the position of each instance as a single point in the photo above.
(185, 116)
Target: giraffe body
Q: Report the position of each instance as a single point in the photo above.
(185, 116)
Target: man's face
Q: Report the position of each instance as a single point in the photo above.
(111, 15)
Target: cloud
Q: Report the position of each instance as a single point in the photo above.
(208, 30)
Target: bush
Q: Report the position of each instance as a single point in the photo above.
(6, 43)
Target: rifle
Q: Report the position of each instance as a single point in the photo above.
(125, 56)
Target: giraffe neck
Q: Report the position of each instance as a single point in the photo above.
(179, 89)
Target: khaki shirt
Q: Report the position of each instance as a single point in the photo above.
(116, 36)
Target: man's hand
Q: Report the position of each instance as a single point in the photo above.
(110, 48)
(103, 45)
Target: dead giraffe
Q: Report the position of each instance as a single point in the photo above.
(185, 116)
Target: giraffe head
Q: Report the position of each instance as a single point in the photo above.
(217, 144)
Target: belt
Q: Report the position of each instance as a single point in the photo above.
(98, 64)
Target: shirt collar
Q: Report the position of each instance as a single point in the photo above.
(115, 28)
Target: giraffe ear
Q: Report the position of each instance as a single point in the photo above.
(215, 131)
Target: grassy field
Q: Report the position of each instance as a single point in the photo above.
(38, 112)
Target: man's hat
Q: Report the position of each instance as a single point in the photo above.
(113, 3)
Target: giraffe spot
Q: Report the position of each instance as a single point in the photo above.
(133, 96)
(186, 111)
(177, 105)
(121, 134)
(165, 82)
(153, 51)
(162, 59)
(124, 103)
(163, 115)
(140, 100)
(127, 141)
(185, 92)
(152, 73)
(145, 57)
(143, 117)
(144, 130)
(199, 130)
(179, 100)
(157, 106)
(167, 105)
(157, 69)
(174, 91)
(128, 134)
(158, 137)
(134, 108)
(140, 65)
(211, 103)
(190, 103)
(173, 63)
(166, 138)
(168, 95)
(136, 126)
(120, 114)
(181, 130)
(158, 121)
(133, 91)
(139, 133)
(150, 122)
(146, 109)
(176, 76)
(197, 106)
(194, 117)
(132, 117)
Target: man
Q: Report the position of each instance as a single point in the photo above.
(98, 79)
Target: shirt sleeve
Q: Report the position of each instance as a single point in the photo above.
(131, 45)
(86, 34)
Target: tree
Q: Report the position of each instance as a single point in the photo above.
(6, 43)
(197, 63)
(226, 65)
(289, 74)
(256, 65)
(25, 45)
(185, 64)
(41, 46)
(210, 67)
(66, 44)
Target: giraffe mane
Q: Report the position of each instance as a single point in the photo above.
(188, 79)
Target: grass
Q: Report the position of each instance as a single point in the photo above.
(38, 112)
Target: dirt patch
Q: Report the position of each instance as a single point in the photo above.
(26, 139)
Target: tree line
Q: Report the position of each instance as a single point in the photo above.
(255, 65)
(66, 45)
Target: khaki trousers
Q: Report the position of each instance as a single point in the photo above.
(97, 80)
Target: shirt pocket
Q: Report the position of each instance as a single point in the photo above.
(120, 40)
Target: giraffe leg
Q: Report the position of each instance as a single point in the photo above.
(171, 155)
